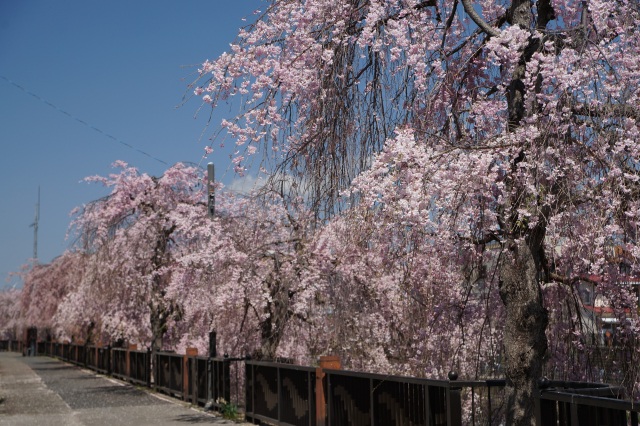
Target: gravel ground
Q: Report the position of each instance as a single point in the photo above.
(44, 391)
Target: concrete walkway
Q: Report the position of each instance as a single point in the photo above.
(45, 391)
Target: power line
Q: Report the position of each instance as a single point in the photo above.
(92, 127)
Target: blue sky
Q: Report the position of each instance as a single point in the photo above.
(120, 66)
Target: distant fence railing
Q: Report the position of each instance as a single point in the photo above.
(11, 345)
(286, 394)
(99, 359)
(588, 404)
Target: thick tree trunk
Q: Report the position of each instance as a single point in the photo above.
(525, 342)
(272, 328)
(159, 310)
(158, 328)
(523, 263)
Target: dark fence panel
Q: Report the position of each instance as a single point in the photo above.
(349, 400)
(80, 355)
(71, 353)
(92, 357)
(196, 372)
(298, 397)
(202, 380)
(140, 367)
(221, 381)
(208, 380)
(198, 380)
(397, 402)
(66, 351)
(169, 373)
(264, 388)
(103, 364)
(51, 349)
(588, 404)
(280, 393)
(74, 356)
(119, 363)
(15, 346)
(4, 345)
(363, 399)
(98, 359)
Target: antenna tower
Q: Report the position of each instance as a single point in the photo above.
(35, 228)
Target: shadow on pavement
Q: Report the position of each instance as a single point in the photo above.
(202, 419)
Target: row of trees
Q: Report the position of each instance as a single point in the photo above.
(453, 169)
(149, 266)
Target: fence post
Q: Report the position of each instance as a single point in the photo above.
(210, 374)
(131, 347)
(109, 360)
(330, 363)
(155, 368)
(226, 378)
(187, 390)
(147, 367)
(545, 410)
(454, 402)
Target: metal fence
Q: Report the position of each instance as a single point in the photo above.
(198, 380)
(119, 363)
(219, 381)
(588, 404)
(169, 373)
(285, 394)
(373, 399)
(139, 367)
(98, 359)
(11, 345)
(280, 393)
(207, 380)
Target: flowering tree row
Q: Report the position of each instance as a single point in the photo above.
(150, 267)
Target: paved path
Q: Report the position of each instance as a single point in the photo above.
(45, 391)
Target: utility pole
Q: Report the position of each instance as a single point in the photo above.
(35, 228)
(211, 190)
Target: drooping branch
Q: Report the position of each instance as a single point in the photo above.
(607, 110)
(569, 281)
(468, 7)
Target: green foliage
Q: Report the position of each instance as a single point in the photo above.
(228, 410)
